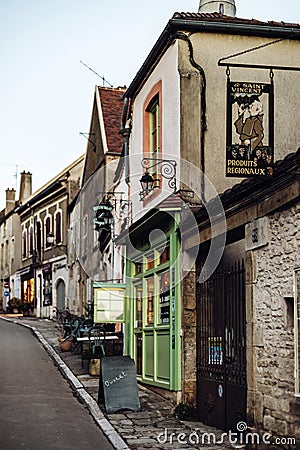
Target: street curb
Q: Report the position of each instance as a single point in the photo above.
(106, 427)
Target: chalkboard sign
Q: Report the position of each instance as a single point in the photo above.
(118, 386)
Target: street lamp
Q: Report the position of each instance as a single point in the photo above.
(167, 168)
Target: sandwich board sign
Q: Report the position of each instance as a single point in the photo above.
(117, 384)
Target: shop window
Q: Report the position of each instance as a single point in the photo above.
(164, 298)
(47, 300)
(150, 301)
(28, 290)
(138, 307)
(297, 329)
(138, 268)
(165, 253)
(150, 260)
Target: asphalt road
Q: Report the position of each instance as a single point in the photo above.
(37, 408)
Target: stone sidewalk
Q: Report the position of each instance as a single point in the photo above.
(154, 427)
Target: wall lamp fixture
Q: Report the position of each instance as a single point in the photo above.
(167, 170)
(50, 241)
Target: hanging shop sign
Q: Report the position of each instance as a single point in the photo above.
(250, 129)
(109, 302)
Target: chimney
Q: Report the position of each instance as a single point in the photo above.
(226, 7)
(10, 200)
(25, 186)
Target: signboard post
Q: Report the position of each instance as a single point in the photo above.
(117, 384)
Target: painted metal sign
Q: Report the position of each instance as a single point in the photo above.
(250, 129)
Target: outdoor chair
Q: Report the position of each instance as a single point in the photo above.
(97, 341)
(94, 348)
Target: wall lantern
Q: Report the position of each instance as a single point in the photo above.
(50, 239)
(167, 169)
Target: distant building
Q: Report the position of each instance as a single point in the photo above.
(43, 274)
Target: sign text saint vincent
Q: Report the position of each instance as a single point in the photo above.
(250, 129)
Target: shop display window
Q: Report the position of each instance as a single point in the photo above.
(150, 301)
(164, 298)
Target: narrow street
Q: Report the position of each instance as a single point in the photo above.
(37, 406)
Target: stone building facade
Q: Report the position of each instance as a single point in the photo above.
(263, 226)
(276, 408)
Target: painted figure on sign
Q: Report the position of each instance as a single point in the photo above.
(249, 124)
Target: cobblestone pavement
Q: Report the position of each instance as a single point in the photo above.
(154, 427)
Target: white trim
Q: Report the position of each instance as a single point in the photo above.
(101, 121)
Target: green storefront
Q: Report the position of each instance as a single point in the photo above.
(153, 300)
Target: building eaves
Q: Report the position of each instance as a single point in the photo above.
(208, 23)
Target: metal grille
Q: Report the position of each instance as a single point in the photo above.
(221, 335)
(221, 347)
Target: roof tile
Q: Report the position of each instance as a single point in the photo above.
(217, 17)
(112, 107)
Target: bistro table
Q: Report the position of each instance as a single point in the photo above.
(114, 340)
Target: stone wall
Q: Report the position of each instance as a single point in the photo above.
(189, 338)
(275, 407)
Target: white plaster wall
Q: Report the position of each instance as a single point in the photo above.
(167, 71)
(208, 49)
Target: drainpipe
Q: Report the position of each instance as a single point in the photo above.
(200, 69)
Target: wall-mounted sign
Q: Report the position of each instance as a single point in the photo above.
(250, 129)
(109, 302)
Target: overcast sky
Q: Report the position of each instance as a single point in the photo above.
(46, 94)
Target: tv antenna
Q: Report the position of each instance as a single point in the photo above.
(102, 78)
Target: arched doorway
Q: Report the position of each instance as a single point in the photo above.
(61, 295)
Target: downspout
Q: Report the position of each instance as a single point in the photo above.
(125, 132)
(203, 127)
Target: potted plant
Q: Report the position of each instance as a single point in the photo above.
(65, 343)
(14, 305)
